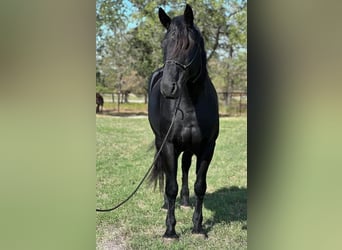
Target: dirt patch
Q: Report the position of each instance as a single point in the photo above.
(113, 238)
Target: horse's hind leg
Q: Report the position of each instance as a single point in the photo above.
(202, 166)
(186, 163)
(165, 205)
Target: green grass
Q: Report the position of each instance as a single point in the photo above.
(123, 157)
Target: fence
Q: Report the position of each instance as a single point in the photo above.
(231, 103)
(124, 98)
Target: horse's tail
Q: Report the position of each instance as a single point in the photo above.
(157, 173)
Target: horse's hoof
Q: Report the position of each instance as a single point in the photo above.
(200, 234)
(169, 240)
(170, 237)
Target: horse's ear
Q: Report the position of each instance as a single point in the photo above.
(188, 15)
(164, 18)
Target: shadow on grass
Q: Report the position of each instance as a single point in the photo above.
(228, 205)
(122, 113)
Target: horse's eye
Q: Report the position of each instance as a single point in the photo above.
(173, 34)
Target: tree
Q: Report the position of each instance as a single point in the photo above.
(110, 24)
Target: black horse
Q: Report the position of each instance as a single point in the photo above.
(183, 107)
(99, 103)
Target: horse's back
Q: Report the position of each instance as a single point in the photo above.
(156, 75)
(154, 100)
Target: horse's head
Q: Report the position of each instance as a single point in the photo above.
(183, 52)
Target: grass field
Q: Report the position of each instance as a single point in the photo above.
(123, 157)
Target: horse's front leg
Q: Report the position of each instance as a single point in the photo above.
(186, 163)
(171, 189)
(202, 166)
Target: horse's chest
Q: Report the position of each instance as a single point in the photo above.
(189, 135)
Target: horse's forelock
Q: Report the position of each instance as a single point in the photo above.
(184, 40)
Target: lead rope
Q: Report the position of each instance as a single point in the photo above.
(154, 161)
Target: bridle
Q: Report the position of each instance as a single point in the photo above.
(184, 67)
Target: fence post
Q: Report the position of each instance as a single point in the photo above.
(240, 103)
(225, 96)
(119, 94)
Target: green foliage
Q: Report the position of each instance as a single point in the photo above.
(122, 158)
(110, 17)
(101, 89)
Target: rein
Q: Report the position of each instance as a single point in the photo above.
(153, 163)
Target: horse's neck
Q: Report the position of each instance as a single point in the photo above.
(194, 91)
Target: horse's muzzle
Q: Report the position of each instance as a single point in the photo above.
(169, 90)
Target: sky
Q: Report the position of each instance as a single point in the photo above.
(129, 10)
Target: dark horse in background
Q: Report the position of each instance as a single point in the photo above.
(99, 103)
(182, 98)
